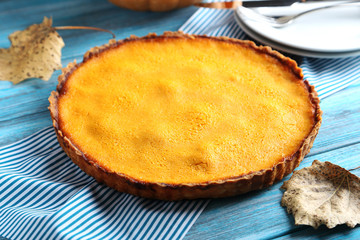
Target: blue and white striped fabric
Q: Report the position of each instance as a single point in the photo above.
(43, 195)
(327, 75)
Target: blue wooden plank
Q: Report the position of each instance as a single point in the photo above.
(341, 125)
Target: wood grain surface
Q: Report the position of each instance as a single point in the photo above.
(256, 215)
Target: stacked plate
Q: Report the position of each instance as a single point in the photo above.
(327, 33)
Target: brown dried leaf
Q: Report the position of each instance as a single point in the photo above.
(323, 193)
(34, 53)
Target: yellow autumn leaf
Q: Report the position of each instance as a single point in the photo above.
(323, 193)
(34, 53)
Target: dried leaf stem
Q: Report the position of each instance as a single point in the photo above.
(84, 27)
(354, 168)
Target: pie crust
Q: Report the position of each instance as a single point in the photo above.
(223, 187)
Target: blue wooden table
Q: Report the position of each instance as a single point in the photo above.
(256, 215)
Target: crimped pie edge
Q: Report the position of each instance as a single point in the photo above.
(211, 189)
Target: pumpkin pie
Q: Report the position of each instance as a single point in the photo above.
(181, 116)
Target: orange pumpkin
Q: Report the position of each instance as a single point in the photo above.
(153, 5)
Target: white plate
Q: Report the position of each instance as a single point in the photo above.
(334, 30)
(296, 51)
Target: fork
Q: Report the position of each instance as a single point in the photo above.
(279, 22)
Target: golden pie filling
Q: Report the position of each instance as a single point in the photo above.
(185, 110)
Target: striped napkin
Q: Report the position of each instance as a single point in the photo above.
(327, 75)
(43, 195)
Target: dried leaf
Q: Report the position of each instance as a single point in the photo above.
(34, 53)
(324, 193)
